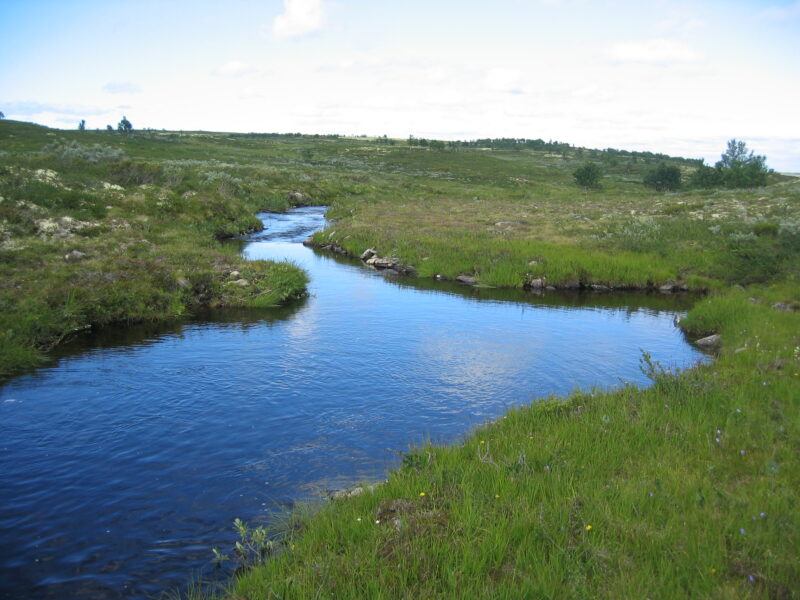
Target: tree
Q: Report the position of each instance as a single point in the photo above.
(124, 126)
(2, 116)
(588, 175)
(82, 125)
(742, 169)
(109, 128)
(663, 177)
(706, 176)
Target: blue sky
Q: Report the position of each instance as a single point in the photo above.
(677, 77)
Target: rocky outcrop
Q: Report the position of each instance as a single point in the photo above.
(466, 279)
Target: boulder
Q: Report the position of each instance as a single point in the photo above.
(711, 340)
(299, 198)
(535, 284)
(599, 287)
(308, 242)
(466, 279)
(241, 282)
(666, 288)
(368, 253)
(383, 263)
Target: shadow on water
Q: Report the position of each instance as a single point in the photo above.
(131, 337)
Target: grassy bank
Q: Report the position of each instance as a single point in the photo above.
(97, 230)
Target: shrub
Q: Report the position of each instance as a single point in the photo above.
(588, 175)
(663, 178)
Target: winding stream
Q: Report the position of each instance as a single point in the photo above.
(126, 460)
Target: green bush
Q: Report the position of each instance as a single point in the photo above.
(663, 178)
(588, 175)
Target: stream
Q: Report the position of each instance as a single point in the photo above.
(127, 458)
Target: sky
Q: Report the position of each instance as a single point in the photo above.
(678, 77)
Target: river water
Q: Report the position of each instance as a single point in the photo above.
(124, 462)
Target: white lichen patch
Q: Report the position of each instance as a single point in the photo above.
(61, 227)
(47, 176)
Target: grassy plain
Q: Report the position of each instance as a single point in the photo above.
(685, 489)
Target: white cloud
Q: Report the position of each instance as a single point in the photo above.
(299, 18)
(122, 87)
(657, 51)
(234, 68)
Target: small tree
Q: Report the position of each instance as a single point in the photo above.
(2, 116)
(109, 128)
(82, 125)
(588, 175)
(124, 126)
(706, 177)
(742, 169)
(664, 177)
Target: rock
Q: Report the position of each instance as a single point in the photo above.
(297, 197)
(535, 284)
(183, 283)
(780, 363)
(551, 288)
(383, 263)
(390, 272)
(368, 253)
(466, 280)
(308, 242)
(783, 306)
(711, 340)
(241, 282)
(234, 274)
(666, 288)
(572, 285)
(74, 256)
(599, 287)
(353, 491)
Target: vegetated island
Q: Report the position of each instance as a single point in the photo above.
(687, 488)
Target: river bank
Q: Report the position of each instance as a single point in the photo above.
(90, 238)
